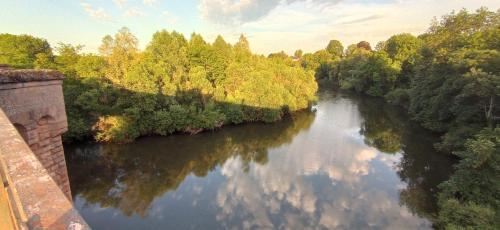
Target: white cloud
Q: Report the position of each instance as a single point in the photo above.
(133, 12)
(149, 2)
(229, 12)
(309, 24)
(120, 3)
(96, 13)
(171, 19)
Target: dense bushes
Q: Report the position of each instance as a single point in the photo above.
(475, 184)
(449, 80)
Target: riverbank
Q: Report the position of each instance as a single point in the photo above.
(354, 152)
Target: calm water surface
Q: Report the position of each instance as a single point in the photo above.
(354, 163)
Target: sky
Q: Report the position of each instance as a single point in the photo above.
(270, 25)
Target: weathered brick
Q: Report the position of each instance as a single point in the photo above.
(33, 100)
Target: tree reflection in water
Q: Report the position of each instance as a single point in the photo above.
(130, 176)
(355, 163)
(421, 167)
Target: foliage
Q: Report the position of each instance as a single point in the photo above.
(473, 191)
(455, 215)
(364, 45)
(449, 80)
(22, 51)
(174, 85)
(335, 48)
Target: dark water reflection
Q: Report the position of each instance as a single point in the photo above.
(355, 163)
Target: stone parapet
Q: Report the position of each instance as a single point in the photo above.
(39, 201)
(33, 101)
(28, 75)
(33, 118)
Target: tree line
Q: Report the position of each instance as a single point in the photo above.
(448, 79)
(174, 85)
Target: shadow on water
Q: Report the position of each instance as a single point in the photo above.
(308, 170)
(421, 167)
(130, 176)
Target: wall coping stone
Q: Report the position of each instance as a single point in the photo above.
(28, 75)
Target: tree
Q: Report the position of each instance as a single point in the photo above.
(470, 197)
(280, 54)
(175, 85)
(120, 52)
(298, 54)
(90, 66)
(335, 48)
(199, 51)
(364, 45)
(67, 58)
(402, 47)
(222, 56)
(242, 49)
(21, 51)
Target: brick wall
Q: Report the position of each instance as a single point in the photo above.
(34, 103)
(44, 139)
(38, 201)
(32, 120)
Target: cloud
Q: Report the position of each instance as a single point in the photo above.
(133, 12)
(120, 3)
(229, 12)
(363, 19)
(171, 19)
(95, 13)
(275, 25)
(149, 2)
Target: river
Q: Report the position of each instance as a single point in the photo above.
(352, 163)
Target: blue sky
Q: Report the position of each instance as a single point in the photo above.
(270, 25)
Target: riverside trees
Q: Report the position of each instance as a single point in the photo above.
(449, 80)
(174, 85)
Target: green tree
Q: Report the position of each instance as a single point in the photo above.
(402, 47)
(335, 48)
(21, 51)
(120, 52)
(364, 45)
(470, 198)
(242, 49)
(67, 58)
(298, 54)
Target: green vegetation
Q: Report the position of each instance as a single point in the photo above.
(147, 169)
(449, 80)
(174, 85)
(23, 51)
(389, 129)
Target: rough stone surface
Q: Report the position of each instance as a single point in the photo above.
(28, 75)
(32, 103)
(43, 203)
(37, 111)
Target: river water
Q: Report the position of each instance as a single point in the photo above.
(352, 163)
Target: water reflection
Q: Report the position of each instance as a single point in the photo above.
(355, 163)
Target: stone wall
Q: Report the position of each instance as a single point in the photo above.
(34, 103)
(36, 199)
(32, 163)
